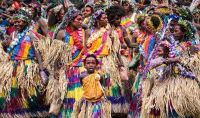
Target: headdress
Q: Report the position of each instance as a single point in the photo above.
(140, 18)
(95, 16)
(37, 8)
(23, 14)
(185, 13)
(189, 29)
(68, 17)
(163, 10)
(154, 23)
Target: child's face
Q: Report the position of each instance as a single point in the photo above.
(160, 51)
(90, 64)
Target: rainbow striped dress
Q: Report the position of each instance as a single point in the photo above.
(74, 88)
(128, 24)
(20, 101)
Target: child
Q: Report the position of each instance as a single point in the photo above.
(168, 91)
(93, 103)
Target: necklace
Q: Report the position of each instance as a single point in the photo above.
(17, 40)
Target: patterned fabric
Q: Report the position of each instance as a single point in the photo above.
(128, 24)
(74, 88)
(76, 40)
(20, 102)
(19, 98)
(99, 47)
(74, 92)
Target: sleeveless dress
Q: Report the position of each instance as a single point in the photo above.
(21, 87)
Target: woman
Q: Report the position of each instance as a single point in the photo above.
(171, 81)
(170, 77)
(55, 18)
(21, 80)
(147, 39)
(107, 49)
(72, 34)
(39, 24)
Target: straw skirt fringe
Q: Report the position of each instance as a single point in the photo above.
(174, 93)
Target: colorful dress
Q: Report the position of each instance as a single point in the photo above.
(93, 103)
(170, 94)
(74, 89)
(105, 49)
(146, 45)
(128, 24)
(20, 93)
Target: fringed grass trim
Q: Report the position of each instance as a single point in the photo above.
(3, 54)
(106, 109)
(146, 89)
(52, 51)
(6, 70)
(25, 115)
(28, 78)
(120, 108)
(193, 62)
(111, 69)
(180, 94)
(56, 88)
(85, 109)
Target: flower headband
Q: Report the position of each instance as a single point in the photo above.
(95, 16)
(23, 14)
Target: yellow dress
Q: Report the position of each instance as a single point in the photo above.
(93, 103)
(92, 90)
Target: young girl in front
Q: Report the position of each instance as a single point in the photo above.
(93, 103)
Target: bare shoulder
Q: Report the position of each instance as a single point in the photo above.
(61, 35)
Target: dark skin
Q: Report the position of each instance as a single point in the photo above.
(87, 11)
(90, 65)
(39, 22)
(20, 26)
(102, 22)
(177, 33)
(74, 25)
(116, 23)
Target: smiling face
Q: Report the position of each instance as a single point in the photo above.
(20, 24)
(90, 64)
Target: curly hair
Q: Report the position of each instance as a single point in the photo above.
(113, 12)
(91, 56)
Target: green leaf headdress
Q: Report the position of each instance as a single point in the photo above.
(23, 14)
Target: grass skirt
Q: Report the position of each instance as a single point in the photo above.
(86, 109)
(192, 61)
(114, 88)
(174, 96)
(74, 92)
(20, 90)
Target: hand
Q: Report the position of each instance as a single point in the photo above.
(125, 33)
(44, 77)
(171, 60)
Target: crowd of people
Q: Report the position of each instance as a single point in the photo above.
(100, 58)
